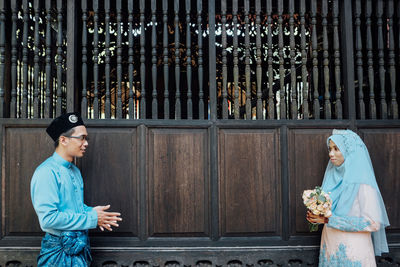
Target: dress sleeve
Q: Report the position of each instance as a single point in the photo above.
(45, 199)
(361, 217)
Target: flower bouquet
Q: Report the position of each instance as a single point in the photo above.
(319, 203)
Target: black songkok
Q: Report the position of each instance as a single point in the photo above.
(63, 123)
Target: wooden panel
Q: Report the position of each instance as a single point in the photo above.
(178, 182)
(384, 148)
(25, 149)
(249, 182)
(109, 173)
(308, 157)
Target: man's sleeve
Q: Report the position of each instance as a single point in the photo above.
(45, 199)
(87, 208)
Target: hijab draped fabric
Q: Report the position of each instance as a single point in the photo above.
(343, 183)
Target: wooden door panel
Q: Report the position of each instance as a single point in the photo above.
(384, 149)
(178, 182)
(249, 191)
(25, 149)
(109, 172)
(308, 157)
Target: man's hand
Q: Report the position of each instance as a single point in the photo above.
(106, 219)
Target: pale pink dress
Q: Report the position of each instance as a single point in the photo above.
(346, 240)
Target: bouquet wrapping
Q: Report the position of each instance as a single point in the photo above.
(319, 203)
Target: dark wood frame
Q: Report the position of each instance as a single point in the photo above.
(289, 246)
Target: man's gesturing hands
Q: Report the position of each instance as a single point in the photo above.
(106, 219)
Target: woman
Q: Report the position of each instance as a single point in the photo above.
(356, 230)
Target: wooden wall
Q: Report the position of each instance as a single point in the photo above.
(202, 188)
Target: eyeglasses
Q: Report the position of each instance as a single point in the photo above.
(81, 137)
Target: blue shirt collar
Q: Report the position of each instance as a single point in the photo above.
(58, 159)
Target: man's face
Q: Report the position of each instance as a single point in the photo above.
(76, 144)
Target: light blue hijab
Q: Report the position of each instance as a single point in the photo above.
(343, 182)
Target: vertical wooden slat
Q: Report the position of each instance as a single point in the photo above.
(327, 102)
(359, 62)
(119, 61)
(189, 62)
(107, 108)
(59, 57)
(154, 110)
(13, 104)
(19, 79)
(165, 54)
(54, 85)
(235, 59)
(292, 62)
(212, 72)
(30, 85)
(224, 62)
(2, 56)
(84, 59)
(304, 71)
(282, 103)
(36, 111)
(200, 58)
(271, 106)
(142, 62)
(370, 60)
(338, 87)
(130, 59)
(247, 59)
(177, 63)
(314, 52)
(42, 85)
(48, 110)
(96, 59)
(381, 56)
(347, 46)
(392, 69)
(71, 60)
(24, 111)
(259, 110)
(398, 35)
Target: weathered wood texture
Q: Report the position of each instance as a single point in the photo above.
(24, 149)
(249, 182)
(238, 256)
(384, 147)
(159, 178)
(236, 91)
(113, 182)
(261, 60)
(308, 157)
(178, 183)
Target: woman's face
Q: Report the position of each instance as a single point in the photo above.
(335, 155)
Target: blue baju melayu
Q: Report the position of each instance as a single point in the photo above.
(355, 232)
(57, 196)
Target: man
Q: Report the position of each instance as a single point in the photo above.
(57, 196)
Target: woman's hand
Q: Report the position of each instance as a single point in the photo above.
(312, 218)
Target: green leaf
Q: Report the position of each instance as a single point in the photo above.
(321, 198)
(313, 227)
